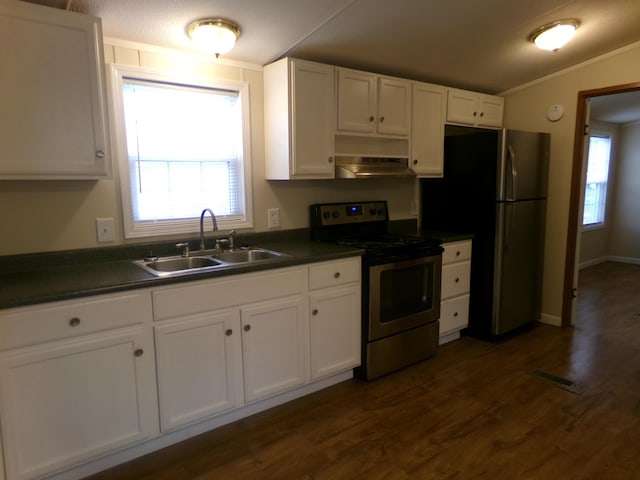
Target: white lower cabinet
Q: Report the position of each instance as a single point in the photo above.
(198, 361)
(83, 383)
(72, 399)
(335, 330)
(454, 307)
(274, 347)
(335, 321)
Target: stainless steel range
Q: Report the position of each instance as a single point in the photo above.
(400, 282)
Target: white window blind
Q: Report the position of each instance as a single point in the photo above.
(597, 178)
(184, 149)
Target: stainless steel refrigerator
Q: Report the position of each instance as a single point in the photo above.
(495, 187)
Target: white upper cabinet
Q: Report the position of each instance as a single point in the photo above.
(54, 117)
(427, 129)
(477, 109)
(299, 104)
(372, 104)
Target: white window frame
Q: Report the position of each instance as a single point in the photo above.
(603, 132)
(132, 229)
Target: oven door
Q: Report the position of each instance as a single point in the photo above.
(403, 295)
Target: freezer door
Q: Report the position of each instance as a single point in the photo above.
(523, 165)
(518, 264)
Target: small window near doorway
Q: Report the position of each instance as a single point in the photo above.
(595, 195)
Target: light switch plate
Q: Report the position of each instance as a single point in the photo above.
(105, 230)
(273, 217)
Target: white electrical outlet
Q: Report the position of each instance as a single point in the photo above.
(105, 230)
(273, 217)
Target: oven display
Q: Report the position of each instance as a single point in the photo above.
(354, 210)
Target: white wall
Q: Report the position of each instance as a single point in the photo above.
(525, 109)
(624, 243)
(39, 216)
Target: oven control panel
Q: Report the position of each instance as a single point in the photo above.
(348, 213)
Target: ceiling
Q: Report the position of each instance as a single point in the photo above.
(472, 44)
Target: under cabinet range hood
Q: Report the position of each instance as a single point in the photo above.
(372, 167)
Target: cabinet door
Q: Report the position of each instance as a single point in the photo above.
(427, 127)
(67, 402)
(491, 110)
(356, 101)
(394, 106)
(462, 107)
(334, 326)
(53, 122)
(198, 362)
(274, 347)
(313, 120)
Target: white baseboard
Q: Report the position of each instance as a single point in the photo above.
(610, 258)
(635, 261)
(551, 320)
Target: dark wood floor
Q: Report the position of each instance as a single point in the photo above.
(475, 411)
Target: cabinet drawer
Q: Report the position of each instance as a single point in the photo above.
(234, 290)
(329, 274)
(54, 321)
(455, 279)
(456, 252)
(454, 314)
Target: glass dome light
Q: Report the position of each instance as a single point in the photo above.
(214, 35)
(555, 35)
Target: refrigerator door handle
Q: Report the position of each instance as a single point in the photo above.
(508, 231)
(514, 173)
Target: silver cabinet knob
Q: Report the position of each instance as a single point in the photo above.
(228, 332)
(336, 275)
(314, 312)
(74, 322)
(99, 154)
(381, 119)
(415, 162)
(138, 352)
(372, 118)
(457, 280)
(247, 328)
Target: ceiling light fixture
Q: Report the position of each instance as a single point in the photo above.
(214, 35)
(555, 35)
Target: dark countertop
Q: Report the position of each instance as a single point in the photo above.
(409, 227)
(66, 275)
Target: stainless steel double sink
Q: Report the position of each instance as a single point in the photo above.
(202, 262)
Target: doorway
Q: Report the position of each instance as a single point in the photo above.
(575, 223)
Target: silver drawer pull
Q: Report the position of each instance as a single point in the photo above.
(74, 322)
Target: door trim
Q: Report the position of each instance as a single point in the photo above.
(574, 199)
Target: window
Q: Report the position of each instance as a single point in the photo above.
(595, 194)
(183, 147)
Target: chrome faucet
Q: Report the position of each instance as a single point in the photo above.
(215, 225)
